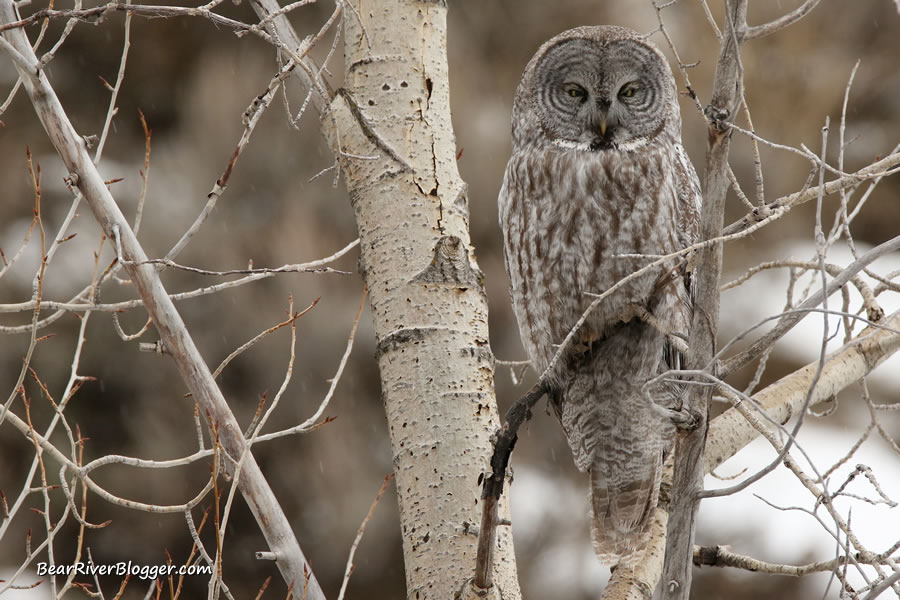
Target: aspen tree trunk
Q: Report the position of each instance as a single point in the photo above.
(390, 128)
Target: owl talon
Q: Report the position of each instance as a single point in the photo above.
(717, 116)
(683, 419)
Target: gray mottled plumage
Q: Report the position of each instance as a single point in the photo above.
(597, 172)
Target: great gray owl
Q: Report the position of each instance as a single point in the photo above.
(597, 187)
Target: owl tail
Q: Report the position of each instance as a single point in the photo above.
(622, 503)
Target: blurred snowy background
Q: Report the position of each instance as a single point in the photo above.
(193, 81)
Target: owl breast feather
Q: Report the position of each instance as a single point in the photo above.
(576, 223)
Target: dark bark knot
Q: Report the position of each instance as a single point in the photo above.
(717, 116)
(402, 338)
(450, 265)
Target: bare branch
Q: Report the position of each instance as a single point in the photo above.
(782, 22)
(492, 489)
(111, 112)
(255, 275)
(876, 591)
(251, 118)
(729, 432)
(168, 322)
(711, 20)
(312, 421)
(787, 323)
(359, 535)
(720, 556)
(689, 446)
(252, 342)
(873, 309)
(279, 28)
(876, 170)
(98, 13)
(37, 288)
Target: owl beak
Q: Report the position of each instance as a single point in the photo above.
(600, 119)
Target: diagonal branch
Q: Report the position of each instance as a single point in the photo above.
(173, 333)
(720, 556)
(278, 26)
(98, 13)
(492, 488)
(729, 432)
(874, 171)
(789, 321)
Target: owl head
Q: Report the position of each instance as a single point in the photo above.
(596, 89)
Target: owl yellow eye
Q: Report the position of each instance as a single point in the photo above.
(628, 90)
(573, 90)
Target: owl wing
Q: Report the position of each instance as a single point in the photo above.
(689, 203)
(690, 198)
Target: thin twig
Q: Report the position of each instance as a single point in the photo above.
(313, 421)
(251, 118)
(257, 338)
(111, 112)
(789, 321)
(71, 306)
(359, 534)
(781, 22)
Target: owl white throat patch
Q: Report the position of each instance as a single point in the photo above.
(629, 146)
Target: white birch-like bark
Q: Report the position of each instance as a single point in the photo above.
(391, 130)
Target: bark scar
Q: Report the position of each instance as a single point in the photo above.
(450, 265)
(369, 130)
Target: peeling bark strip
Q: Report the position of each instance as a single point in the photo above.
(390, 128)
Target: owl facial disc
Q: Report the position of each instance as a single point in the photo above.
(594, 94)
